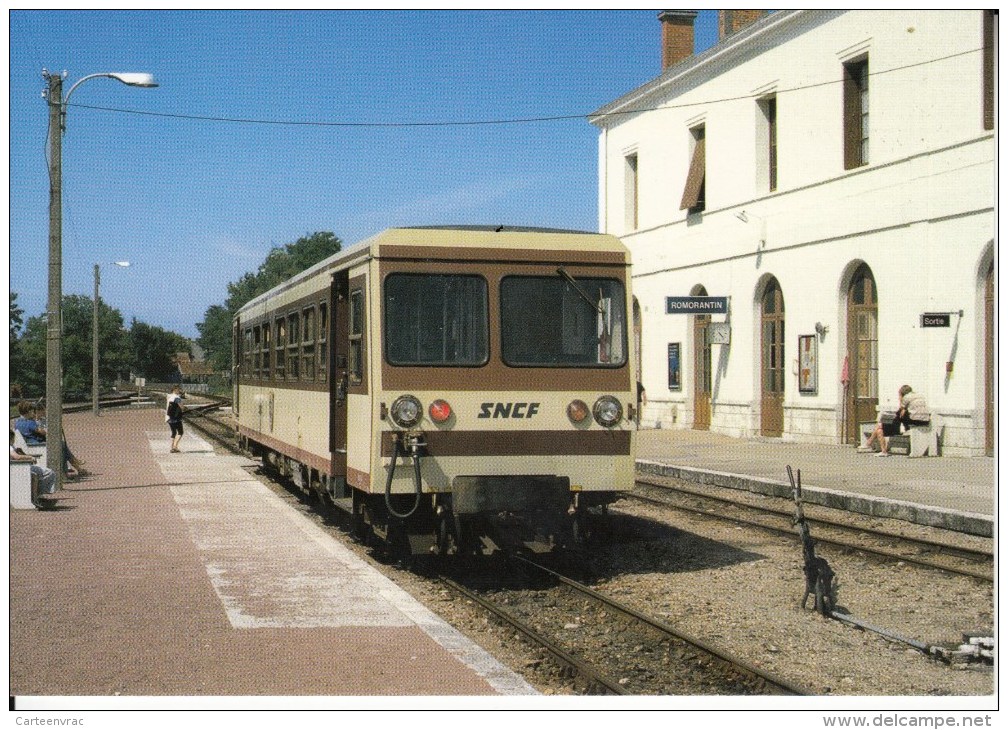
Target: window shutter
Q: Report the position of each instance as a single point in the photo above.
(695, 179)
(851, 116)
(988, 69)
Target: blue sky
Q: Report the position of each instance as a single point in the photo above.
(194, 204)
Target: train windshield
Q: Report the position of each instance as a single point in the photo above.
(436, 319)
(562, 321)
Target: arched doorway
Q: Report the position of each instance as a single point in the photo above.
(701, 368)
(861, 401)
(772, 358)
(989, 362)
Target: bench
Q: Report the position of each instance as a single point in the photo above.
(23, 485)
(916, 442)
(39, 452)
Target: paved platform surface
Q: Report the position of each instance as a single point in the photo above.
(180, 574)
(957, 493)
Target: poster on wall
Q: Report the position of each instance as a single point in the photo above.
(674, 381)
(808, 364)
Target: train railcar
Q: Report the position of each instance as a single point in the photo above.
(452, 388)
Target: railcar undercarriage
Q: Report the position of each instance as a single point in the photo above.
(481, 515)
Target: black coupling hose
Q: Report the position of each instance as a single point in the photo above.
(391, 473)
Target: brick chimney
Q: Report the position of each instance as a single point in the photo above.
(677, 35)
(732, 21)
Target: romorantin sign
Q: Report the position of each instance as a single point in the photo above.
(696, 305)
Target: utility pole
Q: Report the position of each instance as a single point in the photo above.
(94, 344)
(54, 325)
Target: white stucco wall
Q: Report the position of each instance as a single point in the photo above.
(920, 214)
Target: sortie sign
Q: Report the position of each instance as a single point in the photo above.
(696, 305)
(936, 319)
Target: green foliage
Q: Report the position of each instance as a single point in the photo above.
(16, 318)
(216, 328)
(16, 356)
(280, 264)
(28, 366)
(30, 369)
(152, 350)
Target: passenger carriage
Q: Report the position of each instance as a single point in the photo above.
(447, 385)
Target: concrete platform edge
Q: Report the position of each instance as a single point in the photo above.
(969, 523)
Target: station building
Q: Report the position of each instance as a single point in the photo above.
(810, 206)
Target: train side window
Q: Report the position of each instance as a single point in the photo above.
(323, 339)
(293, 356)
(308, 343)
(280, 342)
(246, 373)
(355, 360)
(256, 351)
(267, 350)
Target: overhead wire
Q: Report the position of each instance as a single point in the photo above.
(501, 121)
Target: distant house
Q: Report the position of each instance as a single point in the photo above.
(191, 370)
(810, 206)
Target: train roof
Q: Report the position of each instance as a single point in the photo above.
(399, 242)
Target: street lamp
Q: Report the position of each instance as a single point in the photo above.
(94, 337)
(54, 326)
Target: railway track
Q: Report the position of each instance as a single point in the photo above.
(611, 648)
(935, 554)
(600, 647)
(616, 650)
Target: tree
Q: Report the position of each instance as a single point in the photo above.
(152, 351)
(78, 317)
(15, 358)
(281, 263)
(31, 372)
(144, 349)
(216, 328)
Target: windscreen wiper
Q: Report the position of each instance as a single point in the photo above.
(597, 306)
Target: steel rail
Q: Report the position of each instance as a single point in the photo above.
(878, 552)
(971, 553)
(724, 656)
(584, 670)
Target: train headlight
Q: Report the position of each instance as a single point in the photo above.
(577, 411)
(607, 411)
(406, 411)
(439, 411)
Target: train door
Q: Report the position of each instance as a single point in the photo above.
(772, 347)
(862, 352)
(336, 328)
(235, 363)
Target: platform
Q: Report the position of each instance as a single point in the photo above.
(182, 575)
(956, 493)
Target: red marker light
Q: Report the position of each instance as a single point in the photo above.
(577, 411)
(439, 411)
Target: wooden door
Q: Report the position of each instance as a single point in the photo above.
(989, 363)
(772, 349)
(862, 352)
(701, 373)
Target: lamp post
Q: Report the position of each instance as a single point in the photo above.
(94, 337)
(54, 325)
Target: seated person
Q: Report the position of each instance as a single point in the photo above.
(35, 435)
(913, 411)
(46, 477)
